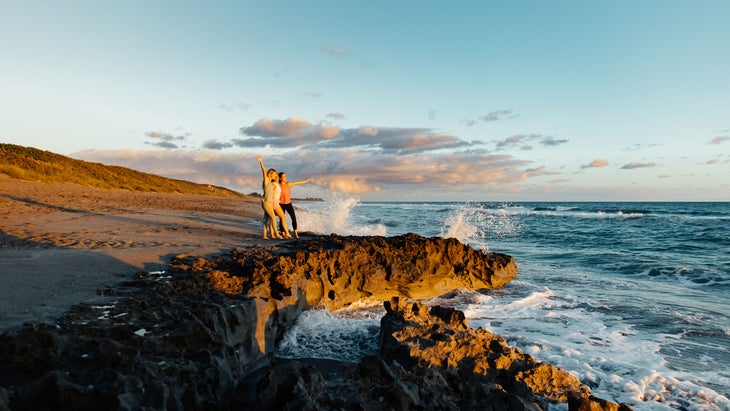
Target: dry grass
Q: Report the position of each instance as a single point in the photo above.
(31, 164)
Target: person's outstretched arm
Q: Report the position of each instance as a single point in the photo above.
(263, 169)
(296, 183)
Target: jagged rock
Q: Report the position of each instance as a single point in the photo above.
(430, 360)
(440, 338)
(335, 271)
(190, 339)
(294, 386)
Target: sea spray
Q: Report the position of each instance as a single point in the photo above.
(474, 224)
(343, 335)
(335, 215)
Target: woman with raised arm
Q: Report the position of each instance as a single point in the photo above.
(285, 200)
(270, 201)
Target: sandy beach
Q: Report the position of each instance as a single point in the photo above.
(60, 243)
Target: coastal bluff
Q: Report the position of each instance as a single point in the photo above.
(201, 335)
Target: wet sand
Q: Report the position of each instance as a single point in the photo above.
(60, 243)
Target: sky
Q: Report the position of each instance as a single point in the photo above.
(622, 100)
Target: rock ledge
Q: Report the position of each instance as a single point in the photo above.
(202, 335)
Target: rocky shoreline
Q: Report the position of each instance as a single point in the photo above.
(201, 335)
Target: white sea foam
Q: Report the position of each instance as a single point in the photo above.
(335, 215)
(473, 224)
(618, 362)
(322, 334)
(568, 211)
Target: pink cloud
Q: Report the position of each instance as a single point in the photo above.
(719, 140)
(296, 132)
(281, 128)
(596, 163)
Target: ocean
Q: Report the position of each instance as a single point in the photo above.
(631, 298)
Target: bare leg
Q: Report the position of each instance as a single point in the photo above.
(269, 207)
(279, 212)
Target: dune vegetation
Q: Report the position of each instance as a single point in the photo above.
(31, 164)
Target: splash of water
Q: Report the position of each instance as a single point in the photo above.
(336, 215)
(474, 224)
(322, 334)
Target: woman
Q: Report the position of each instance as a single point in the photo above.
(285, 200)
(270, 201)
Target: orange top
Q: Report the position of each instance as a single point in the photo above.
(285, 193)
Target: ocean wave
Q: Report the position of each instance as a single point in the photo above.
(594, 342)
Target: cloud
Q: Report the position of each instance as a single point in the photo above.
(351, 184)
(452, 171)
(297, 132)
(641, 146)
(368, 131)
(276, 128)
(166, 140)
(712, 162)
(336, 116)
(346, 170)
(399, 140)
(291, 132)
(163, 136)
(338, 52)
(511, 141)
(498, 115)
(523, 139)
(214, 144)
(360, 160)
(313, 94)
(719, 140)
(596, 163)
(552, 141)
(633, 165)
(202, 166)
(164, 144)
(230, 107)
(492, 116)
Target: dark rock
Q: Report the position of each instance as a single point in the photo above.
(292, 385)
(202, 336)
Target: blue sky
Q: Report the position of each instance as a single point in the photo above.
(384, 100)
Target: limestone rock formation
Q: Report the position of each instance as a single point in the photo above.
(439, 338)
(333, 272)
(429, 360)
(201, 336)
